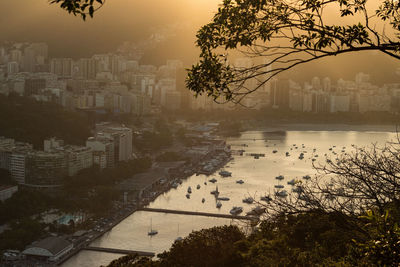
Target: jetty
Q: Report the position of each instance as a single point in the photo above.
(120, 251)
(197, 213)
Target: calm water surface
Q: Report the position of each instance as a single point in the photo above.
(258, 176)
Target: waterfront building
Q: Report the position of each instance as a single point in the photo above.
(339, 103)
(51, 248)
(296, 100)
(374, 102)
(280, 94)
(6, 191)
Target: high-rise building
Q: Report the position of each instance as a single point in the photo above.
(105, 145)
(88, 68)
(326, 84)
(29, 59)
(280, 94)
(316, 83)
(61, 67)
(12, 67)
(34, 85)
(45, 169)
(122, 139)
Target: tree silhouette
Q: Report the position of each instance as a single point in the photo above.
(281, 34)
(80, 8)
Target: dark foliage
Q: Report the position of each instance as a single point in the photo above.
(27, 120)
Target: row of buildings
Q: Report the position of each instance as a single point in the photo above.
(322, 96)
(112, 82)
(48, 167)
(117, 83)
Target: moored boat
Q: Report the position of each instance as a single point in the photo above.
(236, 210)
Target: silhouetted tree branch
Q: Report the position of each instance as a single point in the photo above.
(351, 184)
(80, 8)
(281, 34)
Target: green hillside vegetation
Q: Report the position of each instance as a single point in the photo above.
(28, 120)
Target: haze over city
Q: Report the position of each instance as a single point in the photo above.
(199, 133)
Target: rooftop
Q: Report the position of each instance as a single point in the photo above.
(52, 244)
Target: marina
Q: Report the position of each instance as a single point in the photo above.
(259, 175)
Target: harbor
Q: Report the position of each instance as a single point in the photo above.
(258, 175)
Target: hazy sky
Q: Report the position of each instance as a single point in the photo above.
(132, 20)
(117, 21)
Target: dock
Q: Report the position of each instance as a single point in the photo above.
(120, 251)
(197, 213)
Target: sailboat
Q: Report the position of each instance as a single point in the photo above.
(152, 231)
(179, 238)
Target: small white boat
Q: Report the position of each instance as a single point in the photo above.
(236, 210)
(219, 204)
(248, 200)
(189, 190)
(239, 181)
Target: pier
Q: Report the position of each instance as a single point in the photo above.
(120, 251)
(197, 213)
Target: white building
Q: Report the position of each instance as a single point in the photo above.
(339, 103)
(78, 158)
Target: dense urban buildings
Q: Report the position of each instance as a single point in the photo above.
(118, 83)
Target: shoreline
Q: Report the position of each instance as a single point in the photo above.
(331, 127)
(145, 201)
